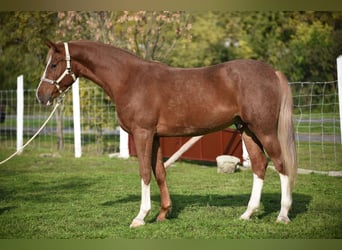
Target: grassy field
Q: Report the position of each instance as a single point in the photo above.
(315, 156)
(58, 196)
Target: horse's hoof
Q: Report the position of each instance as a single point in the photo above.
(161, 219)
(245, 217)
(283, 219)
(137, 223)
(164, 213)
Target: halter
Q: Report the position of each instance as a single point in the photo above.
(67, 71)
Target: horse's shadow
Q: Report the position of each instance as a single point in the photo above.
(6, 209)
(270, 202)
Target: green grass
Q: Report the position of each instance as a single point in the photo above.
(315, 157)
(92, 144)
(311, 156)
(97, 197)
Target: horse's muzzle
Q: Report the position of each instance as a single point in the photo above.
(46, 99)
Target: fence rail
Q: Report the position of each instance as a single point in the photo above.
(316, 119)
(100, 132)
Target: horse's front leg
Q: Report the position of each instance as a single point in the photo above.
(143, 142)
(160, 174)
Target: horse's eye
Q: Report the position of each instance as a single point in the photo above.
(53, 66)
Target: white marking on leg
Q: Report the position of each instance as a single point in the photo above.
(254, 201)
(245, 156)
(145, 206)
(286, 199)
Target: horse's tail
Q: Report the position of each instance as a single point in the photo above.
(286, 130)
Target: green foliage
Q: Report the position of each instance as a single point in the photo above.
(205, 46)
(311, 52)
(22, 46)
(152, 34)
(302, 44)
(149, 34)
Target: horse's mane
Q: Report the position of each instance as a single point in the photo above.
(121, 50)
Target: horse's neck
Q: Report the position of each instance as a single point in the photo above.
(103, 65)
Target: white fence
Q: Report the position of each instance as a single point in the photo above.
(316, 116)
(98, 122)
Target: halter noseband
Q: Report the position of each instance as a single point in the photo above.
(67, 71)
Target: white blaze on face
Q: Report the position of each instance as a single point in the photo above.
(43, 77)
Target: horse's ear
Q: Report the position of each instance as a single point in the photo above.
(51, 45)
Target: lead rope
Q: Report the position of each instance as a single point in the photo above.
(59, 102)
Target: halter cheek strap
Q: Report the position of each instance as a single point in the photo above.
(67, 71)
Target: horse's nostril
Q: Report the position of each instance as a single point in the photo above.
(44, 99)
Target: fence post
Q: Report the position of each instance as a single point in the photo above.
(124, 151)
(339, 80)
(77, 118)
(20, 112)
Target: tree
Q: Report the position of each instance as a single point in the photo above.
(22, 48)
(301, 44)
(179, 38)
(206, 46)
(149, 34)
(152, 34)
(310, 52)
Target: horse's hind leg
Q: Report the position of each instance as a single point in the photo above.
(272, 147)
(259, 165)
(286, 199)
(160, 175)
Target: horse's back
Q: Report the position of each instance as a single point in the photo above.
(202, 100)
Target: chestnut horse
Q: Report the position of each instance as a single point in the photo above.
(154, 100)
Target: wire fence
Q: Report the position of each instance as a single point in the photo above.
(99, 129)
(317, 124)
(316, 119)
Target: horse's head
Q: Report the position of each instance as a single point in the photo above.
(58, 75)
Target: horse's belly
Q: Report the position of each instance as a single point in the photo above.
(195, 124)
